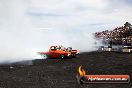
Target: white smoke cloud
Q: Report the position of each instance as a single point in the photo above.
(21, 41)
(29, 26)
(16, 34)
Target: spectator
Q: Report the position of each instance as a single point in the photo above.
(117, 35)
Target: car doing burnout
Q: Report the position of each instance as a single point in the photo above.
(59, 52)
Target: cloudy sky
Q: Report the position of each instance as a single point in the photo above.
(29, 26)
(92, 15)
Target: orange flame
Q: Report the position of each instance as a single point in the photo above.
(81, 71)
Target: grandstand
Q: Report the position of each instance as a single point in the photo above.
(119, 36)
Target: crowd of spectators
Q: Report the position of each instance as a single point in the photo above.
(118, 36)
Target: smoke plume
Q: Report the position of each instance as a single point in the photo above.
(19, 40)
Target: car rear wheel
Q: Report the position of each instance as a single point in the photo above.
(44, 56)
(62, 56)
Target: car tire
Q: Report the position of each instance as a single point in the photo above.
(62, 56)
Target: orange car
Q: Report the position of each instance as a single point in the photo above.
(59, 52)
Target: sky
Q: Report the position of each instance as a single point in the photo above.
(30, 26)
(91, 15)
